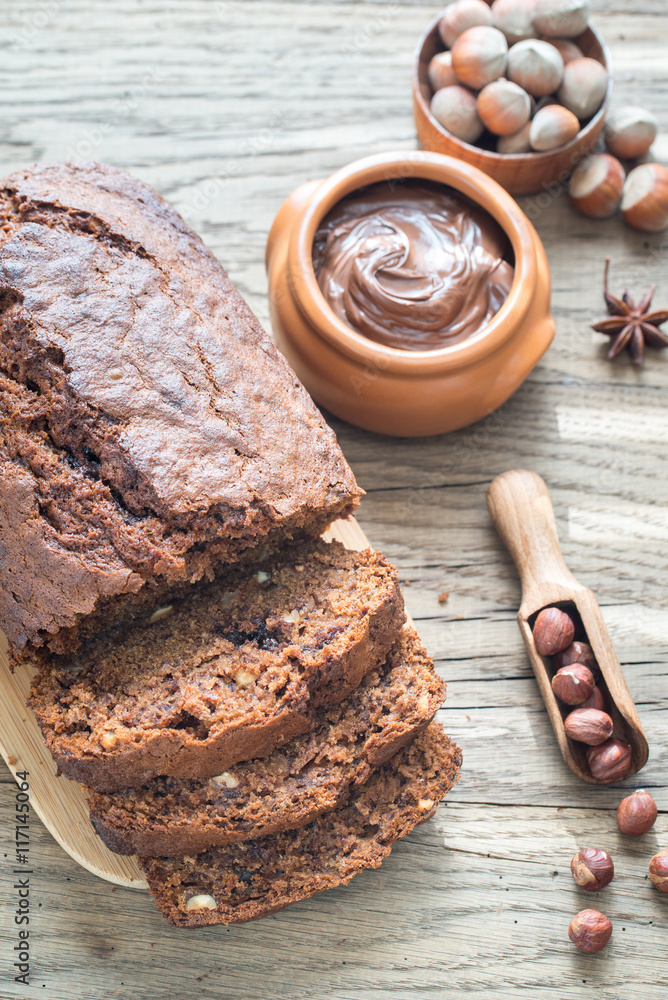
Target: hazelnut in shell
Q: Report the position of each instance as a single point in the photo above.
(567, 49)
(630, 131)
(592, 869)
(595, 700)
(645, 198)
(552, 127)
(503, 107)
(636, 814)
(583, 87)
(536, 66)
(461, 15)
(561, 18)
(479, 56)
(455, 109)
(440, 72)
(590, 931)
(553, 630)
(596, 186)
(573, 684)
(518, 142)
(514, 18)
(611, 761)
(588, 725)
(658, 871)
(577, 652)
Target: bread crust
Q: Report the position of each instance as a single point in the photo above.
(149, 430)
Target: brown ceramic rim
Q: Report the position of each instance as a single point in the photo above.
(539, 158)
(419, 165)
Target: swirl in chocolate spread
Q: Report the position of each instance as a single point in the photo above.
(412, 265)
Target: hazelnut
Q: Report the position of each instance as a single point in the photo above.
(561, 18)
(611, 761)
(583, 87)
(201, 902)
(553, 630)
(518, 142)
(630, 131)
(645, 198)
(479, 56)
(596, 186)
(455, 109)
(440, 72)
(536, 66)
(573, 684)
(226, 778)
(636, 814)
(551, 127)
(424, 805)
(503, 107)
(658, 871)
(461, 15)
(595, 700)
(109, 740)
(514, 18)
(588, 725)
(592, 869)
(161, 613)
(577, 652)
(567, 49)
(244, 678)
(589, 931)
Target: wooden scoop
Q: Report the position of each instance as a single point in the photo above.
(522, 511)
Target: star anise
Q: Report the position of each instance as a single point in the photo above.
(632, 326)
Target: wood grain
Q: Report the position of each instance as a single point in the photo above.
(226, 106)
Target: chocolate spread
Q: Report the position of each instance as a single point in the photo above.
(412, 265)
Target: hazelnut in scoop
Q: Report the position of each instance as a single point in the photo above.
(573, 684)
(588, 725)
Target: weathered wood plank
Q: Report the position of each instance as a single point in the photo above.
(226, 106)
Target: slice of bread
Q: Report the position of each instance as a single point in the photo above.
(308, 776)
(246, 881)
(236, 668)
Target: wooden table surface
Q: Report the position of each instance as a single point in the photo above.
(225, 107)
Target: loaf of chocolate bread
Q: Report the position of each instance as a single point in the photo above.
(310, 775)
(237, 667)
(226, 885)
(149, 431)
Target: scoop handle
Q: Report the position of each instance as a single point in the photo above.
(521, 509)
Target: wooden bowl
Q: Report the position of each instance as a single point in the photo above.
(518, 173)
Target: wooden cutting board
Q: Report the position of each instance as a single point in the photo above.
(61, 804)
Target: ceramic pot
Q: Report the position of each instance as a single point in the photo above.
(519, 173)
(384, 389)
